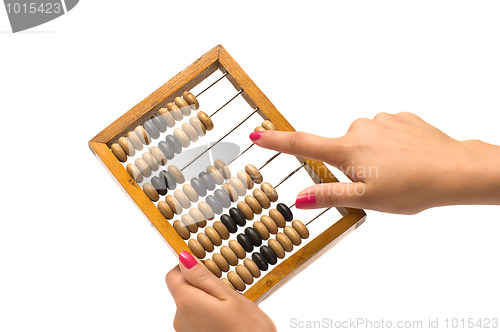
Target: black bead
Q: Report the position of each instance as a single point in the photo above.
(159, 185)
(253, 236)
(269, 255)
(214, 204)
(245, 242)
(167, 150)
(261, 262)
(238, 216)
(174, 143)
(285, 211)
(223, 198)
(168, 179)
(151, 129)
(200, 190)
(160, 123)
(207, 180)
(229, 223)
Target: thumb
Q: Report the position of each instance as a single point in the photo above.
(197, 274)
(335, 194)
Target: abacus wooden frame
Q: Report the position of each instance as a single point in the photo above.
(219, 58)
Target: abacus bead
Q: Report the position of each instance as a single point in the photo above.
(284, 241)
(191, 100)
(245, 179)
(126, 146)
(292, 235)
(238, 185)
(215, 174)
(269, 191)
(221, 230)
(165, 210)
(262, 198)
(151, 129)
(277, 248)
(253, 236)
(219, 164)
(229, 255)
(198, 217)
(175, 111)
(214, 204)
(268, 125)
(196, 248)
(259, 128)
(181, 229)
(300, 228)
(167, 116)
(212, 267)
(198, 126)
(229, 223)
(183, 105)
(182, 137)
(173, 203)
(159, 123)
(245, 242)
(182, 198)
(118, 152)
(260, 261)
(230, 191)
(134, 172)
(223, 198)
(244, 274)
(206, 180)
(167, 150)
(159, 156)
(207, 211)
(238, 216)
(254, 204)
(176, 173)
(143, 167)
(270, 224)
(190, 132)
(168, 179)
(227, 282)
(151, 161)
(190, 192)
(213, 236)
(237, 249)
(205, 242)
(135, 140)
(205, 120)
(226, 173)
(200, 189)
(159, 185)
(277, 218)
(142, 134)
(285, 211)
(254, 173)
(189, 222)
(151, 192)
(221, 262)
(246, 210)
(261, 229)
(252, 267)
(235, 279)
(269, 255)
(174, 143)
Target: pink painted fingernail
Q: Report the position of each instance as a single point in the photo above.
(256, 135)
(305, 201)
(187, 259)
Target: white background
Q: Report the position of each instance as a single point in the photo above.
(77, 255)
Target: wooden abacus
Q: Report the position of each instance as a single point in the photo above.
(157, 114)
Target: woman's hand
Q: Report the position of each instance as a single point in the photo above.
(398, 163)
(205, 303)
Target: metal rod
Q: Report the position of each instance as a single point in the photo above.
(310, 221)
(230, 100)
(211, 85)
(229, 163)
(289, 175)
(270, 159)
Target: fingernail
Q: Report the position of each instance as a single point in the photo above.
(187, 259)
(256, 135)
(305, 201)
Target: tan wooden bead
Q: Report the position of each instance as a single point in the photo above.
(246, 210)
(176, 174)
(237, 282)
(183, 105)
(175, 111)
(198, 217)
(261, 229)
(173, 203)
(135, 140)
(143, 135)
(126, 146)
(221, 262)
(215, 174)
(134, 172)
(254, 173)
(293, 235)
(118, 152)
(300, 228)
(151, 192)
(198, 126)
(190, 132)
(277, 217)
(269, 125)
(167, 116)
(181, 229)
(182, 137)
(238, 185)
(245, 179)
(221, 166)
(252, 267)
(269, 191)
(238, 250)
(221, 230)
(212, 267)
(151, 161)
(205, 242)
(244, 274)
(182, 198)
(191, 100)
(254, 204)
(230, 191)
(207, 211)
(227, 282)
(284, 241)
(190, 192)
(259, 128)
(206, 121)
(276, 247)
(262, 198)
(165, 210)
(143, 167)
(189, 222)
(213, 236)
(270, 224)
(229, 255)
(196, 248)
(159, 156)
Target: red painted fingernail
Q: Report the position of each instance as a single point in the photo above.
(256, 135)
(187, 259)
(305, 201)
